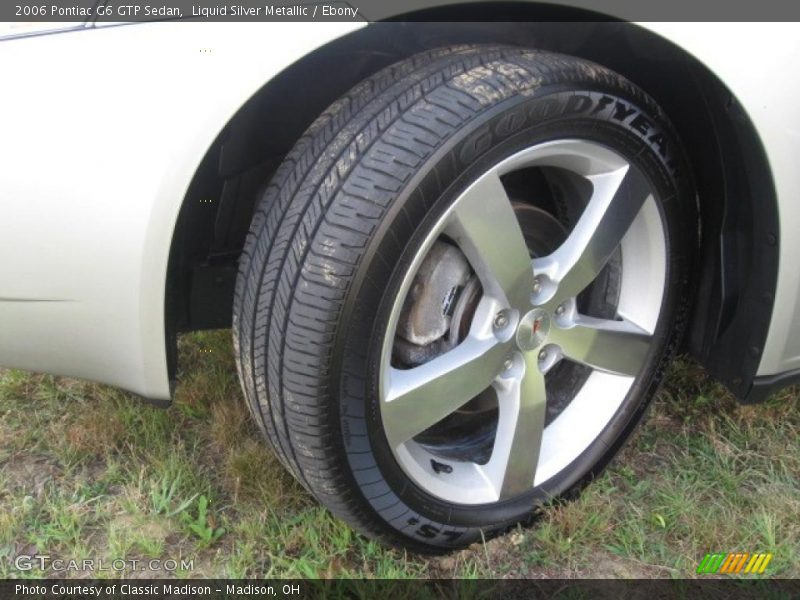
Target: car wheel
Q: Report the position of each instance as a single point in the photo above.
(461, 288)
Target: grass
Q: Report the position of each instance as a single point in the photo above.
(89, 472)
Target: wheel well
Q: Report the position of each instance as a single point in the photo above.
(737, 265)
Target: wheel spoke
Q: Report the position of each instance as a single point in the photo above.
(523, 403)
(415, 399)
(618, 347)
(486, 229)
(616, 200)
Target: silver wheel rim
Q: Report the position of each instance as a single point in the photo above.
(540, 326)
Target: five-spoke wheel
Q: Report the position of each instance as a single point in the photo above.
(461, 288)
(526, 321)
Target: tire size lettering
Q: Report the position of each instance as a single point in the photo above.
(430, 532)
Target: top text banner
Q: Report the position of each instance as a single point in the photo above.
(115, 11)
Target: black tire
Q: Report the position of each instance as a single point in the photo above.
(333, 235)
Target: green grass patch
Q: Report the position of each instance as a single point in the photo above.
(87, 471)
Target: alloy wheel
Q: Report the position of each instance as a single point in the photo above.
(527, 320)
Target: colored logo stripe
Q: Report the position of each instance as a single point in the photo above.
(758, 563)
(734, 562)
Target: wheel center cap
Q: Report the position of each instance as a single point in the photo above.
(533, 329)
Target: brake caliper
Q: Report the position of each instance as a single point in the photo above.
(424, 327)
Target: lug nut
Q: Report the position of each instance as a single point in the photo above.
(508, 364)
(560, 309)
(500, 321)
(537, 286)
(542, 354)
